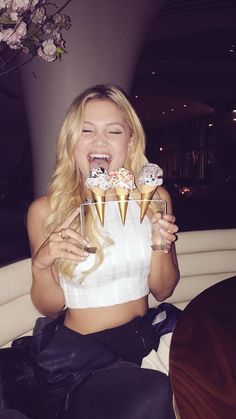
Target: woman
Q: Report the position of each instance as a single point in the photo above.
(105, 331)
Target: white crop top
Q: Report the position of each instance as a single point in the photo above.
(123, 274)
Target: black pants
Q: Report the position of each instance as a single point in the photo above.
(98, 375)
(123, 393)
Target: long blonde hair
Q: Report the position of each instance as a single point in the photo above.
(66, 190)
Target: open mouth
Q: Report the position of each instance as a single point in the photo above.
(99, 160)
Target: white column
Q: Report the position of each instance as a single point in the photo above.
(103, 46)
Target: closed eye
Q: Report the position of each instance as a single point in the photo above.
(115, 132)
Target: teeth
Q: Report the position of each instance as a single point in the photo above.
(99, 156)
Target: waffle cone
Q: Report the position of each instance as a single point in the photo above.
(99, 199)
(147, 193)
(123, 196)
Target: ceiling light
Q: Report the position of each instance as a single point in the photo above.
(210, 124)
(154, 73)
(161, 149)
(185, 106)
(172, 110)
(136, 96)
(163, 113)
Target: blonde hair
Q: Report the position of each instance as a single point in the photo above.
(66, 189)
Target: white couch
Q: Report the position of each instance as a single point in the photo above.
(205, 257)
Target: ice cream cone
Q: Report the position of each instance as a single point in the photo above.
(123, 196)
(98, 195)
(147, 192)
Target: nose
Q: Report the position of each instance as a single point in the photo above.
(100, 139)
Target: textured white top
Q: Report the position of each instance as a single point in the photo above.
(123, 275)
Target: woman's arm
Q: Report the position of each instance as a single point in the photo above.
(164, 271)
(46, 292)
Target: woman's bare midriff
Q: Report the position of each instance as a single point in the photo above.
(90, 320)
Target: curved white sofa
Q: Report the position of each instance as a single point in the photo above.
(205, 257)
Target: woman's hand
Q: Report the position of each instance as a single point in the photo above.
(166, 228)
(63, 243)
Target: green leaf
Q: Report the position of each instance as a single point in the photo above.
(60, 51)
(7, 21)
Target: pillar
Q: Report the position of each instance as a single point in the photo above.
(103, 45)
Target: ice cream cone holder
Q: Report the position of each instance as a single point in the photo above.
(98, 210)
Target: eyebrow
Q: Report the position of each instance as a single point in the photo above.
(110, 123)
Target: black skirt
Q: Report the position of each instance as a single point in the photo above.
(98, 376)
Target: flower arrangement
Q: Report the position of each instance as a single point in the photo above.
(33, 28)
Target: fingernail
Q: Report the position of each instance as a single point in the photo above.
(162, 222)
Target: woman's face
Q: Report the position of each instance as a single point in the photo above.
(106, 140)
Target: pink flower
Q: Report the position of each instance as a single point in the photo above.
(25, 50)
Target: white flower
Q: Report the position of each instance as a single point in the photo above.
(26, 25)
(20, 5)
(57, 18)
(48, 50)
(33, 4)
(14, 16)
(10, 38)
(13, 37)
(21, 29)
(39, 15)
(2, 4)
(49, 47)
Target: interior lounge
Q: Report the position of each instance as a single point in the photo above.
(176, 62)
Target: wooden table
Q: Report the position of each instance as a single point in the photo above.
(203, 355)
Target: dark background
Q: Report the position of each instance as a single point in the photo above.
(184, 90)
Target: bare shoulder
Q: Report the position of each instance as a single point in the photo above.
(40, 207)
(37, 212)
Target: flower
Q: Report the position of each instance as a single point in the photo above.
(48, 51)
(27, 27)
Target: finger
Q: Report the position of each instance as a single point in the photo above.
(71, 235)
(156, 217)
(71, 256)
(168, 236)
(69, 220)
(172, 228)
(58, 243)
(169, 217)
(67, 248)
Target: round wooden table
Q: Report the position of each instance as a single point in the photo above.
(203, 355)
